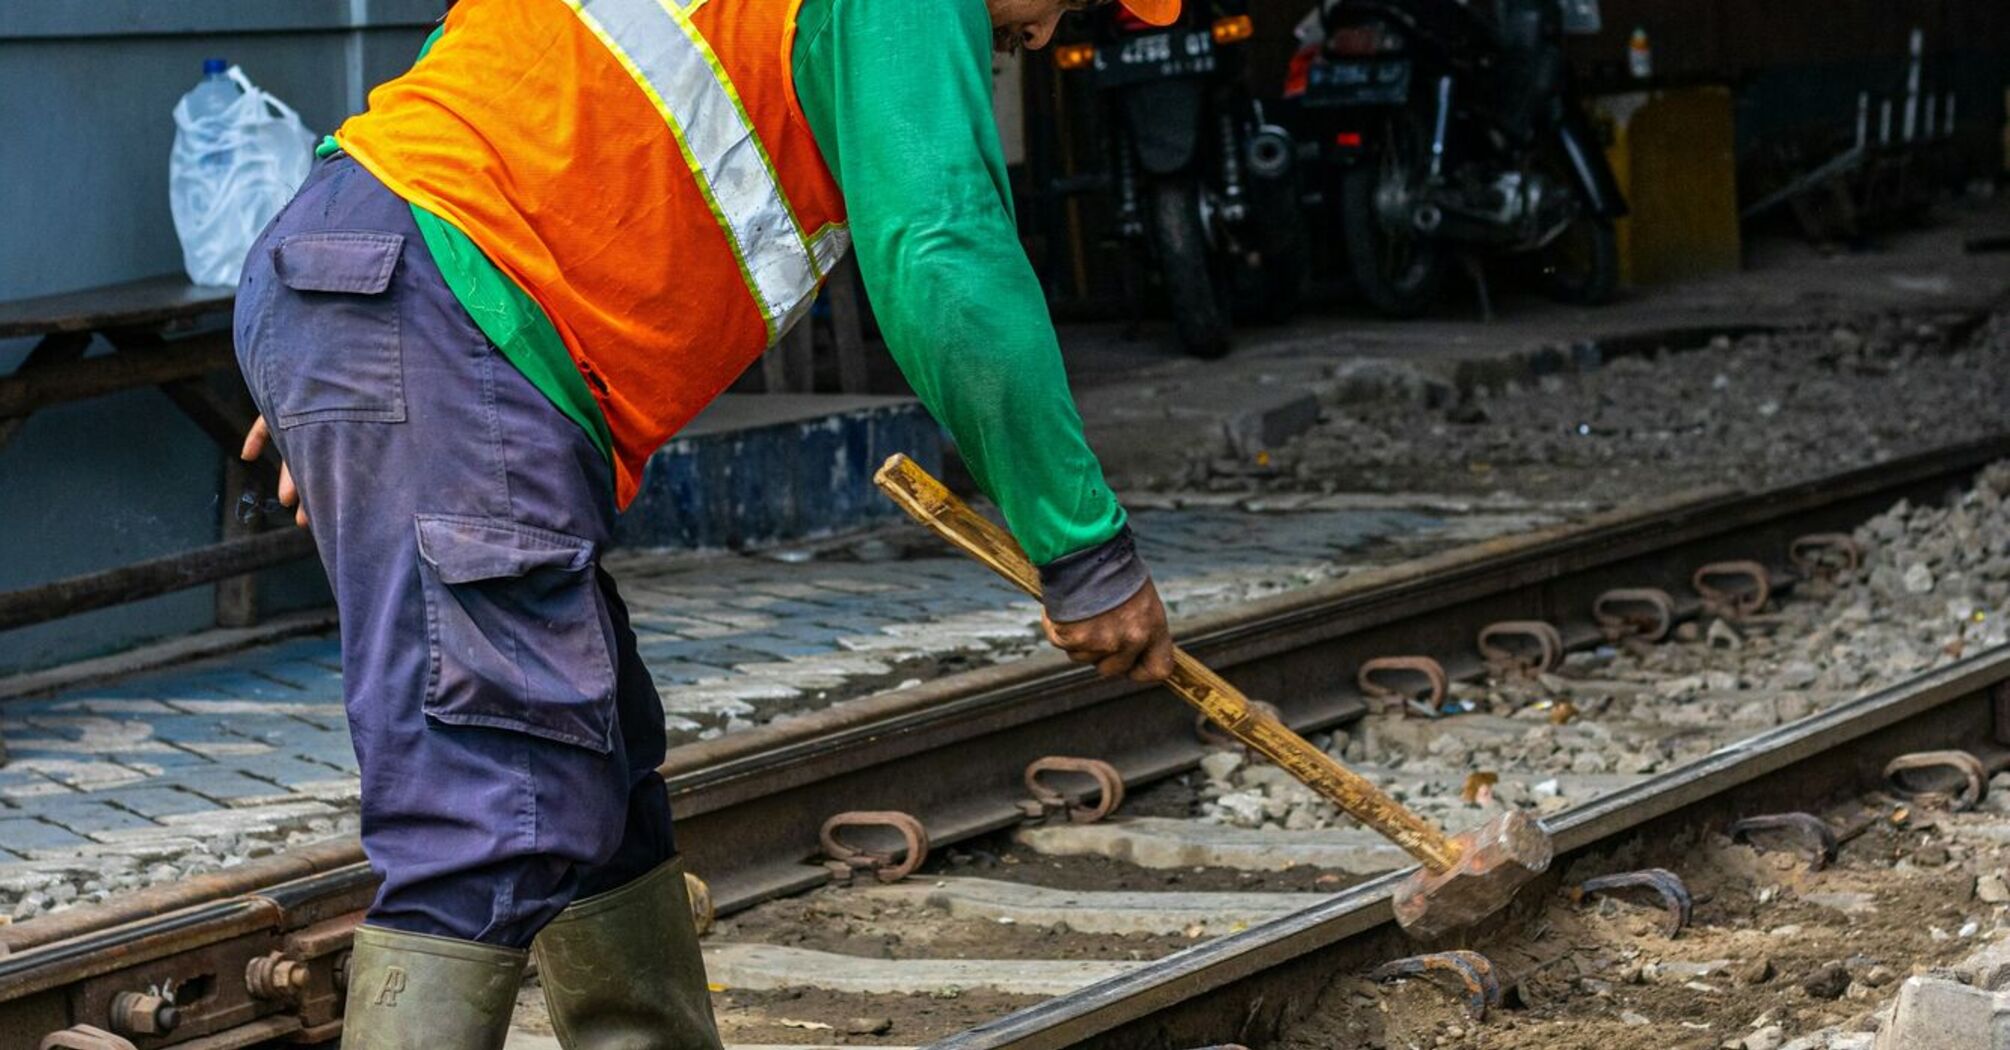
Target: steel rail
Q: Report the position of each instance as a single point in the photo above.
(1245, 987)
(952, 752)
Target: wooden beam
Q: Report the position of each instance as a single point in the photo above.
(152, 302)
(224, 419)
(26, 390)
(55, 348)
(209, 411)
(156, 576)
(236, 596)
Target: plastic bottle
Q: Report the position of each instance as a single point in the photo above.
(1640, 54)
(213, 94)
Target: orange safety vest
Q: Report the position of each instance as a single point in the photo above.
(641, 168)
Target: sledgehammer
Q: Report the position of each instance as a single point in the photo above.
(1464, 877)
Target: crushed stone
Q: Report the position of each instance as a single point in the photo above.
(1756, 410)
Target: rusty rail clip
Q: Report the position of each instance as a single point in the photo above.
(1812, 829)
(1825, 555)
(1733, 603)
(846, 858)
(1966, 768)
(1374, 675)
(1675, 899)
(1045, 800)
(1536, 634)
(1473, 970)
(1646, 613)
(1212, 735)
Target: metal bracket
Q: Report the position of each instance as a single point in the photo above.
(1970, 779)
(1675, 900)
(1733, 603)
(1475, 974)
(846, 858)
(1646, 613)
(1813, 831)
(1517, 660)
(1046, 800)
(1374, 680)
(1825, 555)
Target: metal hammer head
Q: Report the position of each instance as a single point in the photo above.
(1495, 859)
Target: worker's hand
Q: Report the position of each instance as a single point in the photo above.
(1130, 639)
(254, 447)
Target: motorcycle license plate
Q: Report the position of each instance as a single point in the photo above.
(1361, 82)
(1153, 56)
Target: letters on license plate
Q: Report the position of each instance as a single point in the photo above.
(1154, 55)
(1362, 82)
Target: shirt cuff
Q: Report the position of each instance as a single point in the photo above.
(1094, 581)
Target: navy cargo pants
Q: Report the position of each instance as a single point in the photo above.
(507, 732)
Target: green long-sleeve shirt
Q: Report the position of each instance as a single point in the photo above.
(898, 96)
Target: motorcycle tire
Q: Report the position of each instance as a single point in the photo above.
(1397, 270)
(1186, 262)
(1582, 266)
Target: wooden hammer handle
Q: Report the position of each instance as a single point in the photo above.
(930, 503)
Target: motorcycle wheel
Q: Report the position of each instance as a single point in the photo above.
(1396, 266)
(1186, 261)
(1581, 266)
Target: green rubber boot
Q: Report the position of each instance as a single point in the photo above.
(408, 991)
(621, 970)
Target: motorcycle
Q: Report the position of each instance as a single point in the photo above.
(1203, 183)
(1442, 127)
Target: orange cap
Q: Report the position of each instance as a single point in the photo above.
(1155, 12)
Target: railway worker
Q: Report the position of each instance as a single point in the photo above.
(532, 259)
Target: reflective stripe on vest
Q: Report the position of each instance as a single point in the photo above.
(639, 169)
(671, 62)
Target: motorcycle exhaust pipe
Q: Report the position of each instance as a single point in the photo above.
(1427, 218)
(1270, 152)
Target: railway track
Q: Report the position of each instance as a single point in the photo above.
(1253, 985)
(255, 954)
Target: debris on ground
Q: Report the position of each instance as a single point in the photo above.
(1747, 412)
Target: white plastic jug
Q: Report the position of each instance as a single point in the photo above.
(239, 155)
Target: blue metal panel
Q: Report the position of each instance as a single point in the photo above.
(784, 481)
(86, 92)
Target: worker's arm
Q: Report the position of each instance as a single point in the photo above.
(904, 119)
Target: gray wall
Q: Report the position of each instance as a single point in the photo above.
(86, 88)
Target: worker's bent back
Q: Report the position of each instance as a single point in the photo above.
(640, 168)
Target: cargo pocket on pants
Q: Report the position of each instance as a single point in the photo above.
(335, 350)
(517, 633)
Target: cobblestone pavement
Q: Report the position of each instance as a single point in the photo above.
(195, 767)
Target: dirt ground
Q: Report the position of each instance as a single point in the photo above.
(1775, 950)
(809, 1016)
(1772, 945)
(1750, 411)
(834, 920)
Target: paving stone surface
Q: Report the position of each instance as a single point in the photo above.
(195, 767)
